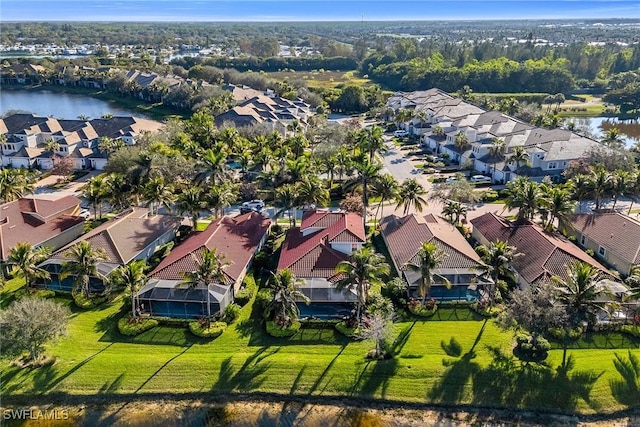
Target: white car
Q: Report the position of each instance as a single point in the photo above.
(255, 204)
(480, 179)
(451, 179)
(400, 133)
(84, 213)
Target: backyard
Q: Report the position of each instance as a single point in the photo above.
(452, 359)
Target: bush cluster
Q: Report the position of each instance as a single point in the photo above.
(483, 309)
(231, 313)
(427, 309)
(199, 328)
(633, 330)
(276, 331)
(530, 350)
(82, 302)
(130, 326)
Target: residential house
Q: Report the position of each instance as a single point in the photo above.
(612, 236)
(237, 239)
(404, 237)
(312, 252)
(133, 235)
(544, 255)
(41, 220)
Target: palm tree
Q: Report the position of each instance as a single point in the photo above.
(283, 307)
(220, 197)
(132, 278)
(385, 187)
(191, 201)
(524, 195)
(312, 192)
(461, 142)
(212, 166)
(287, 199)
(402, 116)
(558, 205)
(24, 259)
(14, 184)
(580, 189)
(600, 183)
(157, 193)
(96, 191)
(83, 265)
(363, 269)
(634, 189)
(620, 186)
(454, 211)
(428, 258)
(612, 138)
(497, 258)
(371, 141)
(496, 151)
(411, 193)
(633, 281)
(519, 156)
(210, 270)
(580, 292)
(368, 172)
(52, 146)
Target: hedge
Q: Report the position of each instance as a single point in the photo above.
(346, 330)
(82, 302)
(632, 330)
(129, 326)
(200, 329)
(276, 331)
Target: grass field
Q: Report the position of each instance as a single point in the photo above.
(322, 79)
(428, 367)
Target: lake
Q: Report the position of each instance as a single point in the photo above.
(597, 126)
(59, 105)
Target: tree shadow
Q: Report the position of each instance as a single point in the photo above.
(164, 365)
(450, 388)
(506, 381)
(246, 378)
(626, 390)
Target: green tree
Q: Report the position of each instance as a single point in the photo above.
(24, 259)
(82, 265)
(191, 201)
(158, 193)
(429, 258)
(523, 195)
(14, 184)
(96, 191)
(220, 197)
(132, 278)
(411, 194)
(371, 141)
(497, 258)
(210, 270)
(386, 188)
(519, 156)
(454, 211)
(558, 205)
(363, 269)
(580, 292)
(283, 307)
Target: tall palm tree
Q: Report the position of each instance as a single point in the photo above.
(558, 205)
(612, 138)
(519, 156)
(210, 270)
(428, 258)
(24, 260)
(461, 142)
(633, 281)
(524, 195)
(312, 192)
(287, 199)
(96, 191)
(220, 197)
(368, 172)
(191, 201)
(496, 151)
(411, 193)
(283, 308)
(158, 193)
(14, 184)
(385, 187)
(580, 189)
(634, 188)
(621, 183)
(212, 166)
(580, 292)
(83, 265)
(371, 141)
(132, 278)
(402, 116)
(600, 184)
(454, 211)
(363, 269)
(497, 258)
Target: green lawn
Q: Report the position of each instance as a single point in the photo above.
(94, 359)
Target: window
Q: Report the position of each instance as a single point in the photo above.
(354, 247)
(553, 165)
(601, 251)
(583, 240)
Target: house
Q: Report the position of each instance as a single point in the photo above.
(312, 252)
(237, 239)
(439, 118)
(27, 135)
(612, 236)
(133, 235)
(544, 255)
(41, 220)
(404, 237)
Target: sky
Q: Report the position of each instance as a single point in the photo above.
(311, 10)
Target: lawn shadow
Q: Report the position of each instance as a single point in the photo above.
(246, 378)
(164, 365)
(160, 335)
(626, 390)
(508, 382)
(451, 386)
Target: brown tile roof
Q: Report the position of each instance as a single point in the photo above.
(126, 236)
(616, 232)
(312, 255)
(36, 220)
(544, 253)
(237, 238)
(404, 237)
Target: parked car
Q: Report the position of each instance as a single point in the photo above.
(480, 179)
(451, 179)
(255, 204)
(400, 133)
(85, 213)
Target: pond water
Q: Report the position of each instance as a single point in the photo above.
(58, 105)
(597, 126)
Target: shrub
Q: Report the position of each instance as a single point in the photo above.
(199, 328)
(276, 229)
(231, 313)
(632, 330)
(44, 293)
(276, 331)
(483, 309)
(490, 196)
(244, 295)
(82, 302)
(565, 334)
(418, 309)
(130, 326)
(374, 354)
(347, 330)
(590, 252)
(529, 350)
(262, 299)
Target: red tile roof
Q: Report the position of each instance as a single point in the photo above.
(36, 220)
(125, 237)
(544, 254)
(404, 237)
(618, 233)
(312, 255)
(237, 238)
